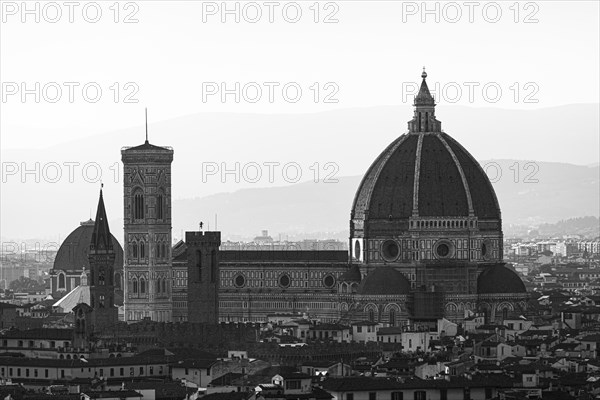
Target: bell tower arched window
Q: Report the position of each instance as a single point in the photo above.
(142, 250)
(135, 285)
(160, 206)
(142, 286)
(138, 205)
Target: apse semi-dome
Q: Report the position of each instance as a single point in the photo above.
(75, 249)
(499, 279)
(384, 281)
(352, 274)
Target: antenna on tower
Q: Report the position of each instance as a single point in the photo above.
(146, 111)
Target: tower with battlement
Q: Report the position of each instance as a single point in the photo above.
(147, 224)
(203, 276)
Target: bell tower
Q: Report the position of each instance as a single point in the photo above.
(147, 224)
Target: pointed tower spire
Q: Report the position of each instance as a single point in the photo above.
(424, 118)
(101, 238)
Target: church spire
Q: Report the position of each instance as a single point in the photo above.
(424, 117)
(101, 238)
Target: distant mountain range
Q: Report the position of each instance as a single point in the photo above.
(585, 226)
(348, 138)
(544, 193)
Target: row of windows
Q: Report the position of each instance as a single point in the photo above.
(140, 209)
(419, 395)
(284, 280)
(228, 274)
(162, 316)
(139, 251)
(140, 287)
(131, 371)
(31, 344)
(34, 372)
(443, 224)
(409, 244)
(429, 255)
(11, 372)
(180, 282)
(180, 273)
(271, 305)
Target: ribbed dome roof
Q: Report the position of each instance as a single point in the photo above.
(447, 183)
(384, 280)
(499, 279)
(74, 250)
(425, 173)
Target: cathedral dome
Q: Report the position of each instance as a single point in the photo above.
(384, 281)
(74, 250)
(448, 182)
(499, 279)
(425, 173)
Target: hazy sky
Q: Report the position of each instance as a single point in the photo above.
(548, 57)
(177, 57)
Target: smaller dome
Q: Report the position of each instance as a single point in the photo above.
(499, 279)
(384, 280)
(73, 253)
(352, 274)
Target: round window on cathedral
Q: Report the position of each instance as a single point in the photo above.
(284, 280)
(444, 249)
(239, 281)
(329, 281)
(390, 250)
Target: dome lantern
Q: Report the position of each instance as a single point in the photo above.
(424, 117)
